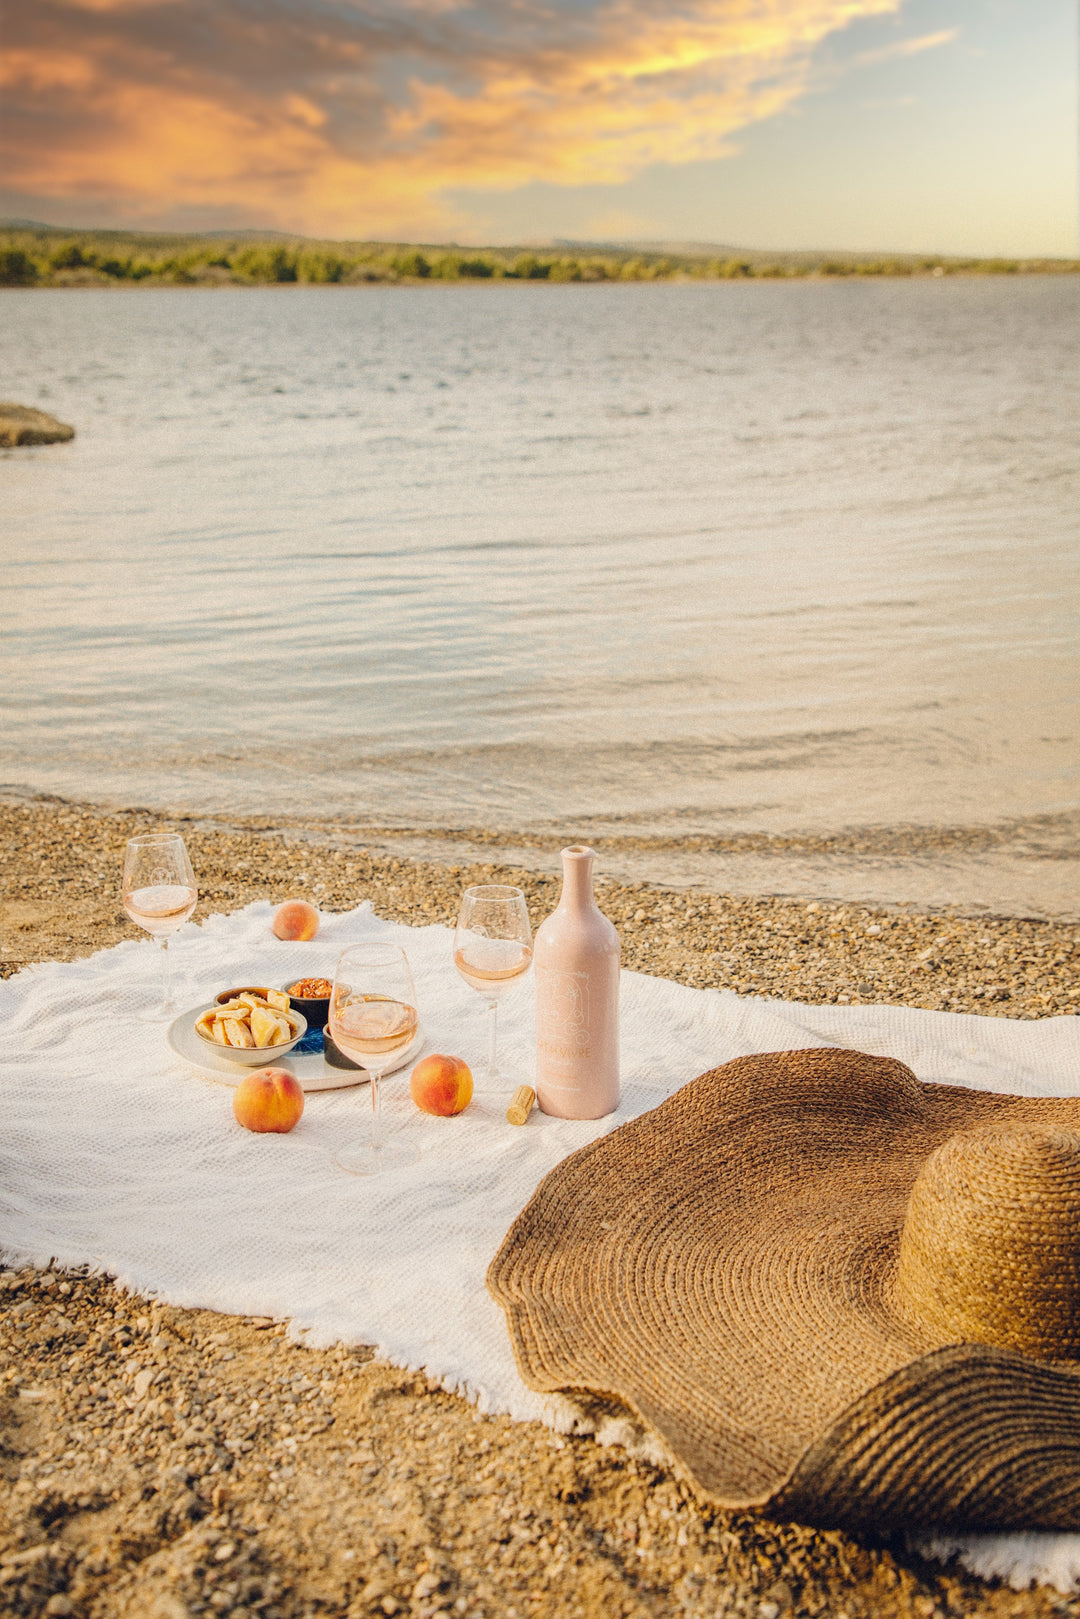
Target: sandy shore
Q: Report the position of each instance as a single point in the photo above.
(160, 1463)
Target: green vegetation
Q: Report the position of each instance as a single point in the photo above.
(46, 257)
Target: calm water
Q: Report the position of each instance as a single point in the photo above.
(657, 561)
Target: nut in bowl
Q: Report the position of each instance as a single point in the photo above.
(311, 998)
(251, 1026)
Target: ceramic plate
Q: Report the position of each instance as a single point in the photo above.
(310, 1067)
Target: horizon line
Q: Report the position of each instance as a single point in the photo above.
(659, 246)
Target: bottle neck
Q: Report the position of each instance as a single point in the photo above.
(577, 894)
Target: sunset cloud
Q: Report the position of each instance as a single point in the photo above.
(907, 47)
(361, 117)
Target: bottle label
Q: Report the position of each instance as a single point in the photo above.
(562, 1016)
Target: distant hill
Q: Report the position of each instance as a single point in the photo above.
(755, 255)
(34, 254)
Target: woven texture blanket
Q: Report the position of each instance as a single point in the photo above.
(116, 1153)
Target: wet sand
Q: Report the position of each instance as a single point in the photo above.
(163, 1463)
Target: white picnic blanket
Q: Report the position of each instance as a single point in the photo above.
(115, 1153)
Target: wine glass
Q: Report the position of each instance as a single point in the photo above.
(159, 896)
(492, 950)
(373, 1018)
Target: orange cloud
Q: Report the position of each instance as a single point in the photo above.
(360, 117)
(907, 47)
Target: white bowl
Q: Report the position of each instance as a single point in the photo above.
(253, 1056)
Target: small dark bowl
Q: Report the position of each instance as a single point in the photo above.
(334, 1055)
(317, 1011)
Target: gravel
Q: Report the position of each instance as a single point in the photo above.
(159, 1463)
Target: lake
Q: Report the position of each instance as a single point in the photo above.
(771, 586)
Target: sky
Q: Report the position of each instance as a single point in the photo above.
(945, 126)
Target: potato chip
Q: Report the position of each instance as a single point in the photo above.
(264, 1026)
(237, 1033)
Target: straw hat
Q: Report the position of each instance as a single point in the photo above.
(834, 1292)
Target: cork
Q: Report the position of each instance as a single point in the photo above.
(521, 1105)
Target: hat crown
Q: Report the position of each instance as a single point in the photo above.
(990, 1247)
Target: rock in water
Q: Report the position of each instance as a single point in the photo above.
(20, 424)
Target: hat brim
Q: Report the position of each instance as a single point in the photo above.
(724, 1266)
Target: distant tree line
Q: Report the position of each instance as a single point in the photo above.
(39, 258)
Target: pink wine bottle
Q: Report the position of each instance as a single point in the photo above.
(576, 958)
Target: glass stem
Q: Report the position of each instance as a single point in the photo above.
(166, 975)
(493, 1041)
(376, 1111)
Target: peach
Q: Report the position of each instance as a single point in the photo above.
(441, 1085)
(296, 919)
(268, 1100)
